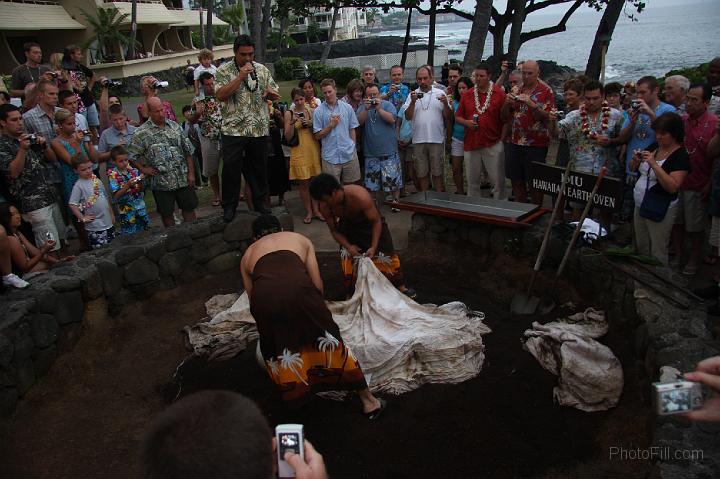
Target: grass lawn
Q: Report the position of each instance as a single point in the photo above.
(180, 98)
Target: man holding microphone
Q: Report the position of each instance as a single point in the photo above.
(243, 87)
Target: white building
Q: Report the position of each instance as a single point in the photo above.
(346, 27)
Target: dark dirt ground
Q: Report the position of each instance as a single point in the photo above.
(87, 416)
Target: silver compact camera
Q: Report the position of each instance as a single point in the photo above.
(374, 101)
(676, 397)
(160, 84)
(635, 104)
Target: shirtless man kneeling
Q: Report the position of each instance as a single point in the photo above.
(356, 224)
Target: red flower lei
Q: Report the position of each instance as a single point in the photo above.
(604, 123)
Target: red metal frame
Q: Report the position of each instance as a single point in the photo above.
(467, 216)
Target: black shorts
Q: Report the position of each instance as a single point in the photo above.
(517, 164)
(185, 198)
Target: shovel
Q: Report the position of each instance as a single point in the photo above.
(549, 303)
(525, 303)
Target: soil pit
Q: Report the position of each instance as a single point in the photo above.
(87, 416)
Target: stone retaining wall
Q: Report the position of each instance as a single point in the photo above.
(666, 334)
(48, 318)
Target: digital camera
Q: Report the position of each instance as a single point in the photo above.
(374, 101)
(635, 104)
(420, 95)
(32, 138)
(160, 84)
(290, 438)
(676, 397)
(109, 82)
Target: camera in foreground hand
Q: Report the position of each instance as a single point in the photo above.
(289, 438)
(676, 397)
(34, 143)
(635, 104)
(160, 84)
(373, 101)
(108, 83)
(420, 95)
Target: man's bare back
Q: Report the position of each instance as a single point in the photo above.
(281, 241)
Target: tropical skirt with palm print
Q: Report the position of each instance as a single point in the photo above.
(326, 365)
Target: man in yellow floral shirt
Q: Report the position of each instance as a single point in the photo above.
(243, 86)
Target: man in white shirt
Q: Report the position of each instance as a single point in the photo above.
(428, 109)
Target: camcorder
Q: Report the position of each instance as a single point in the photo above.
(108, 83)
(676, 397)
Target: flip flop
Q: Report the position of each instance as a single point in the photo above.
(319, 218)
(410, 293)
(216, 202)
(711, 259)
(307, 220)
(375, 415)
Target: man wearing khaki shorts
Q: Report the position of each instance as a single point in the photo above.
(334, 124)
(699, 127)
(428, 109)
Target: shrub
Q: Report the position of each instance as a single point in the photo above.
(317, 71)
(284, 67)
(342, 76)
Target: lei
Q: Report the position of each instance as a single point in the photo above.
(87, 204)
(121, 179)
(604, 123)
(487, 99)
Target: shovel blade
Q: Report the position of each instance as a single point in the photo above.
(524, 304)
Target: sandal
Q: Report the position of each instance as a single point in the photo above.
(375, 415)
(711, 259)
(319, 218)
(410, 293)
(307, 220)
(216, 202)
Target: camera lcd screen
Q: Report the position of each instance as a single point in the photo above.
(674, 401)
(289, 442)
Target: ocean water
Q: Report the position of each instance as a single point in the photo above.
(663, 38)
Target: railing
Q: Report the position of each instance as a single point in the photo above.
(415, 59)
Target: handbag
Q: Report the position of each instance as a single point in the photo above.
(654, 206)
(293, 141)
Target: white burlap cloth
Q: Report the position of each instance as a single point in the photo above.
(590, 376)
(399, 343)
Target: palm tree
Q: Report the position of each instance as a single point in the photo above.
(235, 15)
(313, 31)
(272, 366)
(106, 28)
(331, 33)
(133, 31)
(291, 361)
(328, 343)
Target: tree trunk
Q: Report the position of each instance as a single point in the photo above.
(264, 30)
(202, 30)
(133, 31)
(209, 35)
(406, 43)
(431, 33)
(610, 17)
(331, 33)
(256, 21)
(284, 27)
(478, 34)
(245, 19)
(499, 37)
(516, 29)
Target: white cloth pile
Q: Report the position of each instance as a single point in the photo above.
(590, 230)
(399, 343)
(590, 376)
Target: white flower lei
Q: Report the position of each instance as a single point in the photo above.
(487, 99)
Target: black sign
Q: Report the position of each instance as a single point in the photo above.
(547, 178)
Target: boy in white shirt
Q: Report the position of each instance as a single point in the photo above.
(90, 204)
(205, 57)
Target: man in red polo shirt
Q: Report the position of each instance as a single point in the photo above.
(480, 113)
(694, 194)
(530, 114)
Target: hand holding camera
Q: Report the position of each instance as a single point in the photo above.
(707, 372)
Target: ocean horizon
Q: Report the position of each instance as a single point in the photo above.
(662, 39)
